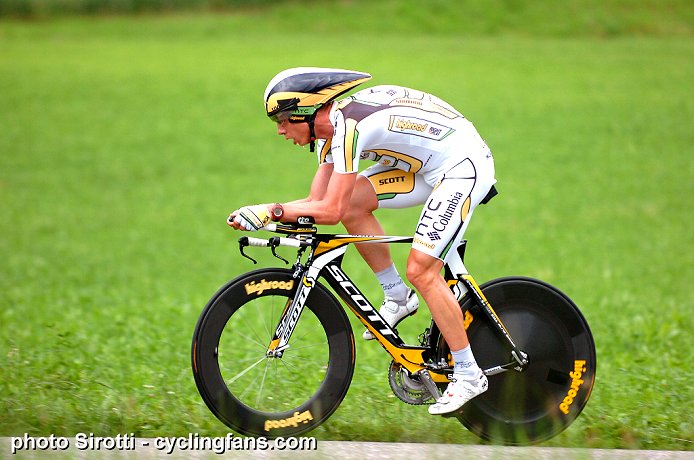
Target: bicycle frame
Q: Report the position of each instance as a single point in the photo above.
(325, 260)
(253, 388)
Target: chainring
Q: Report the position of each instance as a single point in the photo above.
(406, 387)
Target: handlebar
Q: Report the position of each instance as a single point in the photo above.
(303, 225)
(304, 234)
(272, 242)
(299, 240)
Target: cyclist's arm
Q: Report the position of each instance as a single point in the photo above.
(298, 208)
(329, 198)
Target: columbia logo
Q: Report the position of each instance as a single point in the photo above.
(433, 236)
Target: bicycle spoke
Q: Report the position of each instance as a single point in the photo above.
(306, 334)
(250, 386)
(237, 362)
(288, 364)
(264, 321)
(252, 327)
(245, 371)
(253, 340)
(262, 384)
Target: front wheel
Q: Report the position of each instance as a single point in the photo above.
(258, 395)
(539, 402)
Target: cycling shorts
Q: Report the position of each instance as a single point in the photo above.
(448, 205)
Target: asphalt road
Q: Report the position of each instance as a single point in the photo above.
(181, 448)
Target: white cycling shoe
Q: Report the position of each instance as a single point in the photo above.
(458, 393)
(394, 312)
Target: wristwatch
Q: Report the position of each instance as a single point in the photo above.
(276, 212)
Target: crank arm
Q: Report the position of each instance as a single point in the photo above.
(429, 384)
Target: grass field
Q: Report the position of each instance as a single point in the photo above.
(124, 143)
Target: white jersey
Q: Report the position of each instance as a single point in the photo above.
(399, 128)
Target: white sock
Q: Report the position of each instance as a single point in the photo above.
(392, 284)
(465, 366)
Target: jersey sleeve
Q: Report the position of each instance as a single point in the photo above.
(343, 145)
(323, 151)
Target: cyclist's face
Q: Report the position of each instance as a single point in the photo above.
(298, 132)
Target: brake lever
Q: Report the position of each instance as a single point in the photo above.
(274, 243)
(243, 242)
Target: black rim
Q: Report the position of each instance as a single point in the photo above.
(271, 397)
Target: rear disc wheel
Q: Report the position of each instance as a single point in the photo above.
(539, 402)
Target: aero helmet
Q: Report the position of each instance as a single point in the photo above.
(303, 90)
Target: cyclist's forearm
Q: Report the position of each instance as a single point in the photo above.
(327, 204)
(321, 211)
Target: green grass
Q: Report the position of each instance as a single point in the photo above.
(605, 18)
(124, 143)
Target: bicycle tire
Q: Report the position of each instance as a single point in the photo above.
(271, 397)
(531, 406)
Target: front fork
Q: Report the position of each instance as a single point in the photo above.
(292, 310)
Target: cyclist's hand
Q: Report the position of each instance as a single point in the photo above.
(250, 218)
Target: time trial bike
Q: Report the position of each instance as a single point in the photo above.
(273, 351)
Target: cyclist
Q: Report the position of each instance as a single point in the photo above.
(426, 153)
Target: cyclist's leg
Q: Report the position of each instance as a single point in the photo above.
(423, 271)
(359, 220)
(381, 187)
(442, 223)
(441, 226)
